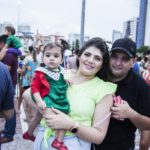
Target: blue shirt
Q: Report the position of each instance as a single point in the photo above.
(6, 89)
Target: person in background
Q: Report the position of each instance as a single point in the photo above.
(12, 44)
(136, 66)
(20, 88)
(28, 66)
(145, 135)
(71, 61)
(67, 52)
(39, 53)
(6, 94)
(131, 109)
(11, 61)
(146, 74)
(87, 124)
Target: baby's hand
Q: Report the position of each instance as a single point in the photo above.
(41, 105)
(69, 82)
(117, 100)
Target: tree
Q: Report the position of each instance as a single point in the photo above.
(143, 49)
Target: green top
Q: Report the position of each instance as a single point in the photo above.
(14, 41)
(84, 97)
(57, 97)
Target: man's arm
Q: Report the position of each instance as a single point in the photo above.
(124, 111)
(140, 121)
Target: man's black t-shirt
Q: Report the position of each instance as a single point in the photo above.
(121, 134)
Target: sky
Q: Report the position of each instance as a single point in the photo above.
(64, 16)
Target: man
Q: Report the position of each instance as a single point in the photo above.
(134, 110)
(10, 59)
(6, 94)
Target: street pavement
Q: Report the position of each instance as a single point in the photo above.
(20, 144)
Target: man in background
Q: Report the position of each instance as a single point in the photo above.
(6, 94)
(11, 61)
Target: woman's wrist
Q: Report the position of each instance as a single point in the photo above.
(75, 127)
(71, 124)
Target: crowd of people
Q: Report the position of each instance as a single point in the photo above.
(86, 99)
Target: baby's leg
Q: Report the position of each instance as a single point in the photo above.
(58, 142)
(60, 135)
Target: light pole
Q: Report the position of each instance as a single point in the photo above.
(19, 4)
(82, 23)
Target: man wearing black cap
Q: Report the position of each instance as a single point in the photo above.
(133, 111)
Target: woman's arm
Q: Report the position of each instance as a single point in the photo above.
(95, 134)
(23, 69)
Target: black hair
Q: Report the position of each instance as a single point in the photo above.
(22, 57)
(64, 44)
(10, 29)
(32, 50)
(3, 38)
(100, 44)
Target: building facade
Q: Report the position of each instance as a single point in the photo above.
(75, 36)
(130, 29)
(147, 25)
(143, 23)
(116, 35)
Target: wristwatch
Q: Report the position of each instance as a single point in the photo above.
(75, 128)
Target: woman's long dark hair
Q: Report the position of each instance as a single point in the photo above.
(32, 50)
(100, 44)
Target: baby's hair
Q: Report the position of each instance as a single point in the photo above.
(54, 45)
(10, 29)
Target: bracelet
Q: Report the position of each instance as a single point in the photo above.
(75, 128)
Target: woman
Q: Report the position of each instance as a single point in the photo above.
(90, 101)
(28, 66)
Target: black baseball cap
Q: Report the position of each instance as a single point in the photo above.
(126, 45)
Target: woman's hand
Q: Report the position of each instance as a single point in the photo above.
(59, 120)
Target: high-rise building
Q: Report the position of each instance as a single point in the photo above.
(130, 29)
(75, 36)
(116, 35)
(143, 35)
(147, 25)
